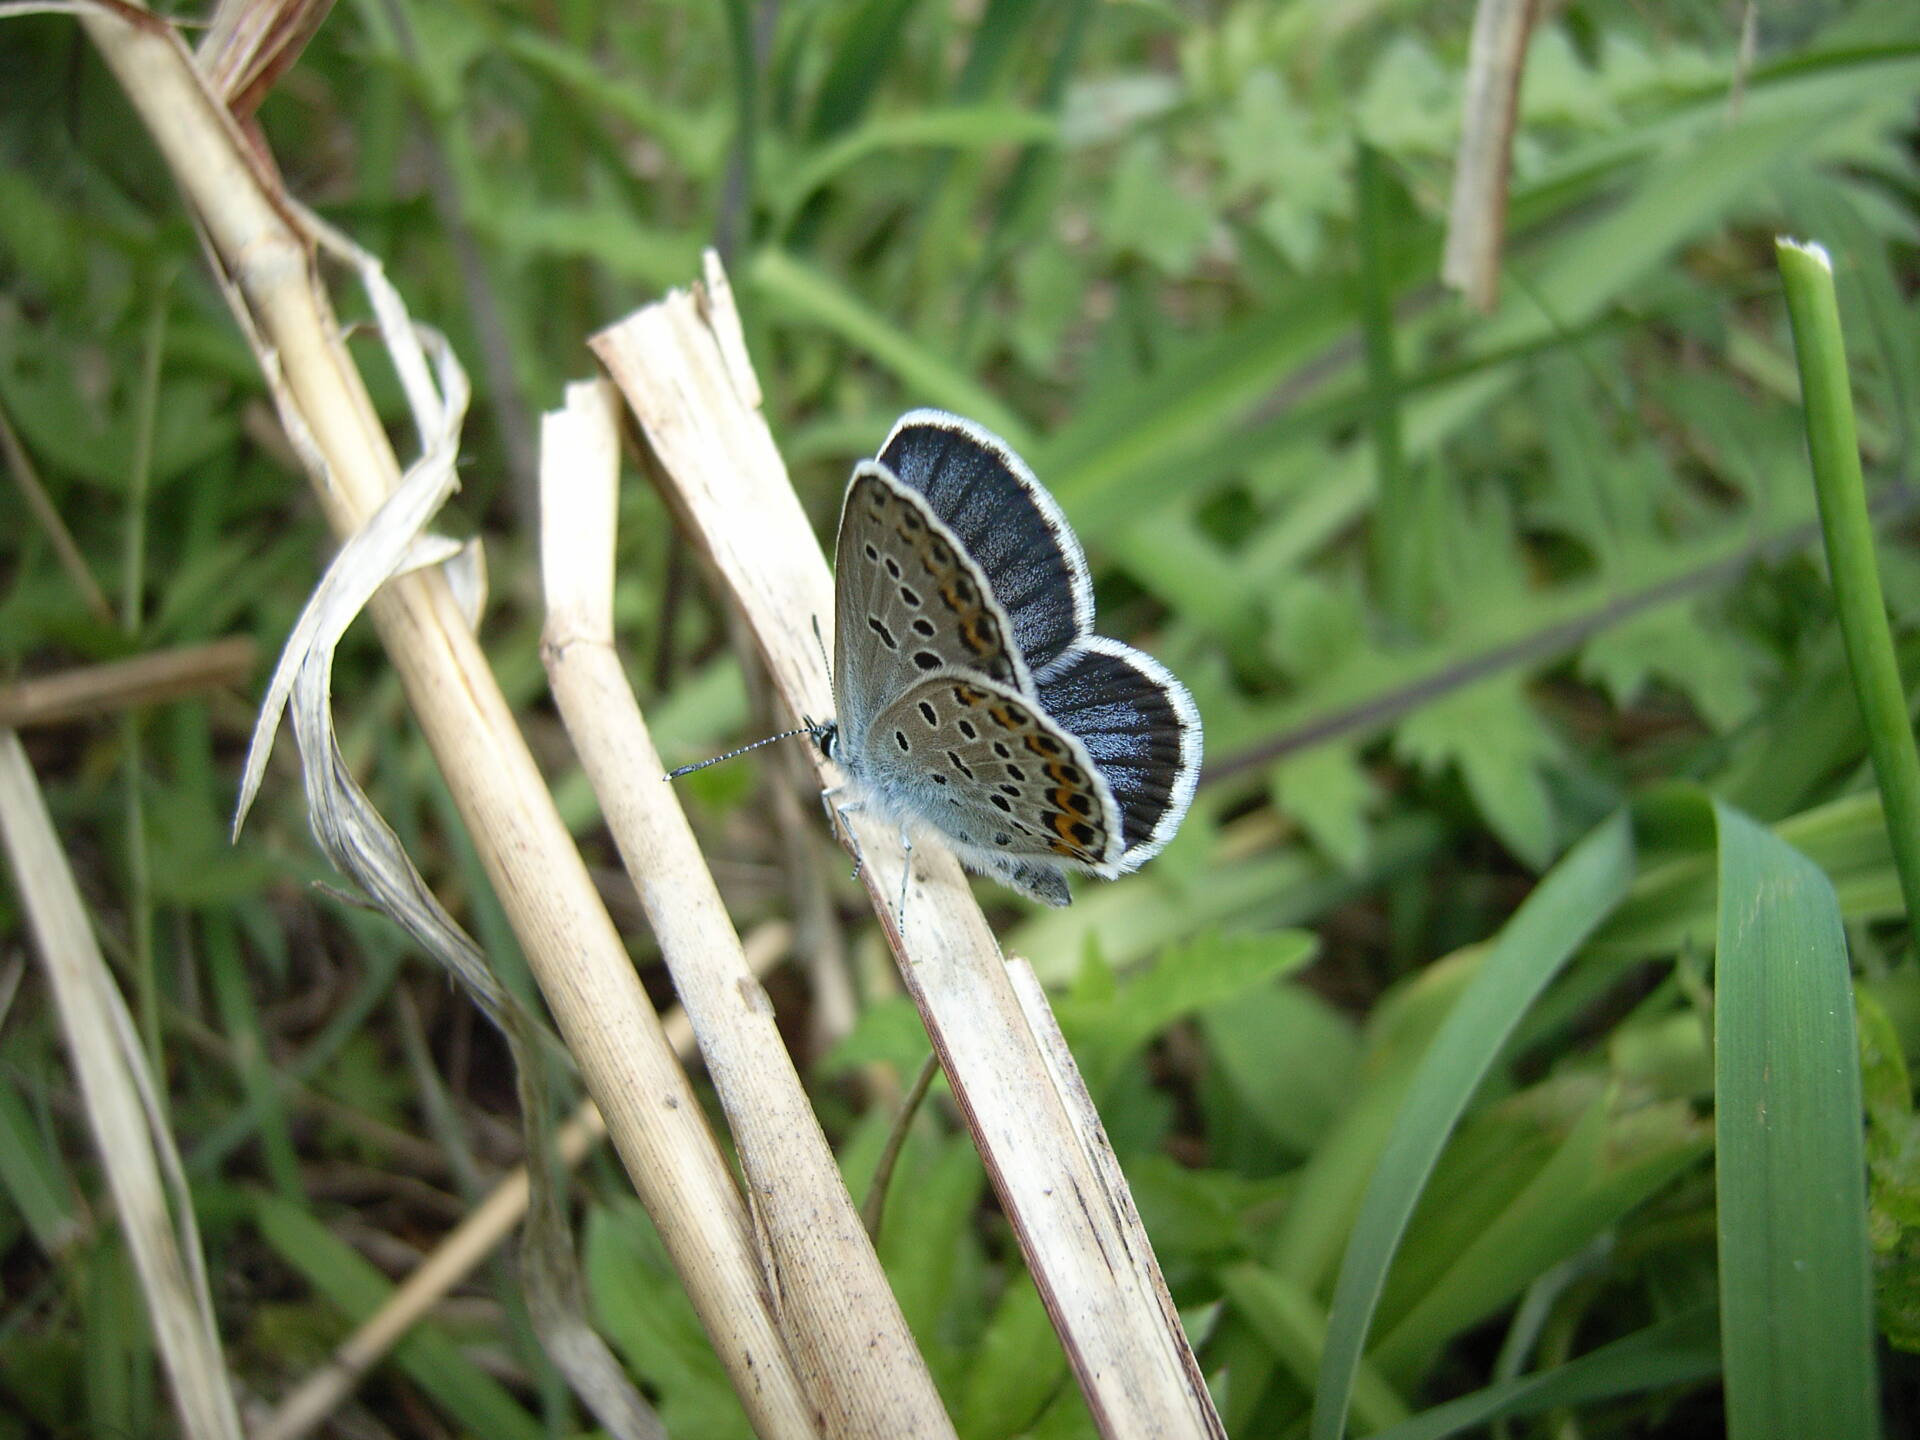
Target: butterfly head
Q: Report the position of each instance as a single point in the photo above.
(826, 734)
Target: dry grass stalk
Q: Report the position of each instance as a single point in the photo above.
(122, 1108)
(469, 1243)
(683, 367)
(121, 684)
(842, 1323)
(1477, 214)
(652, 1114)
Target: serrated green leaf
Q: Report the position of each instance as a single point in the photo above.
(1558, 87)
(1208, 970)
(1709, 667)
(1493, 737)
(1329, 793)
(1148, 215)
(1410, 104)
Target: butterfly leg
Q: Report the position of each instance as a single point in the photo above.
(906, 873)
(837, 814)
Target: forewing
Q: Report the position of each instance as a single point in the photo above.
(1006, 521)
(997, 774)
(908, 602)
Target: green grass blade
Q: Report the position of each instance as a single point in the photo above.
(957, 127)
(804, 294)
(1848, 529)
(1796, 1309)
(861, 66)
(33, 1175)
(1574, 897)
(1674, 1351)
(1288, 1319)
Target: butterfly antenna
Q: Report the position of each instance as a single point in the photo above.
(807, 729)
(820, 640)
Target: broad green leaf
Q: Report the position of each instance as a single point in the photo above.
(927, 1245)
(34, 1175)
(869, 43)
(1795, 1303)
(647, 1317)
(1306, 1244)
(1206, 1214)
(1287, 1057)
(1018, 1366)
(603, 231)
(1616, 1153)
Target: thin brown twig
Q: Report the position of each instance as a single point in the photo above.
(20, 464)
(91, 690)
(873, 1210)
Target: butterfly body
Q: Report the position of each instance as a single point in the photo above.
(973, 697)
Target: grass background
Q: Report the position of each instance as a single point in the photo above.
(1449, 589)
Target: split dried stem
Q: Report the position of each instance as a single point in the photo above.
(682, 365)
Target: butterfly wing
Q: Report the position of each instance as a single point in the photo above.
(1006, 521)
(908, 601)
(1005, 784)
(1141, 729)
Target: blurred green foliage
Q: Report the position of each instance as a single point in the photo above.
(1449, 589)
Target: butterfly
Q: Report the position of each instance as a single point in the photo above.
(972, 696)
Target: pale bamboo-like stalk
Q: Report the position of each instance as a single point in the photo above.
(682, 365)
(842, 1324)
(571, 945)
(1483, 163)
